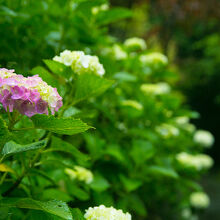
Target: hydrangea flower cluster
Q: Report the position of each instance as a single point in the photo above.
(80, 63)
(167, 130)
(198, 162)
(135, 43)
(28, 95)
(199, 200)
(154, 59)
(182, 120)
(116, 51)
(119, 53)
(103, 213)
(133, 104)
(97, 9)
(80, 173)
(156, 89)
(204, 138)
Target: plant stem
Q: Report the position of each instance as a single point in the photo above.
(3, 177)
(15, 185)
(24, 172)
(2, 158)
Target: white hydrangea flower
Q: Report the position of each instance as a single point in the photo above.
(103, 213)
(182, 120)
(154, 59)
(97, 9)
(119, 53)
(190, 127)
(156, 89)
(81, 63)
(133, 104)
(198, 161)
(204, 138)
(116, 52)
(187, 214)
(199, 200)
(80, 173)
(58, 59)
(135, 42)
(167, 130)
(66, 57)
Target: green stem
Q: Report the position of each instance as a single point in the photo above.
(2, 158)
(24, 172)
(15, 185)
(13, 119)
(3, 177)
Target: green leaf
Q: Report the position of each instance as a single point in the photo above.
(12, 148)
(54, 207)
(77, 214)
(4, 133)
(77, 192)
(58, 144)
(130, 184)
(99, 184)
(5, 168)
(59, 68)
(68, 126)
(164, 171)
(40, 215)
(45, 75)
(37, 172)
(113, 15)
(141, 151)
(136, 204)
(191, 184)
(56, 193)
(125, 77)
(90, 85)
(4, 213)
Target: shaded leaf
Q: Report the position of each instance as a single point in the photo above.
(77, 192)
(141, 151)
(130, 184)
(42, 174)
(77, 214)
(165, 171)
(99, 184)
(58, 144)
(90, 85)
(137, 205)
(59, 68)
(40, 215)
(45, 75)
(113, 15)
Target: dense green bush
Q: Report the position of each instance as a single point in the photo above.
(141, 153)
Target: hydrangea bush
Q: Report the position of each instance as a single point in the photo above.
(100, 132)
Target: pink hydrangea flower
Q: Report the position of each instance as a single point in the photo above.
(28, 95)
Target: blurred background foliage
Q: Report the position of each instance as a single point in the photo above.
(186, 31)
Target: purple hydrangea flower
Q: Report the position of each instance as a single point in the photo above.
(28, 95)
